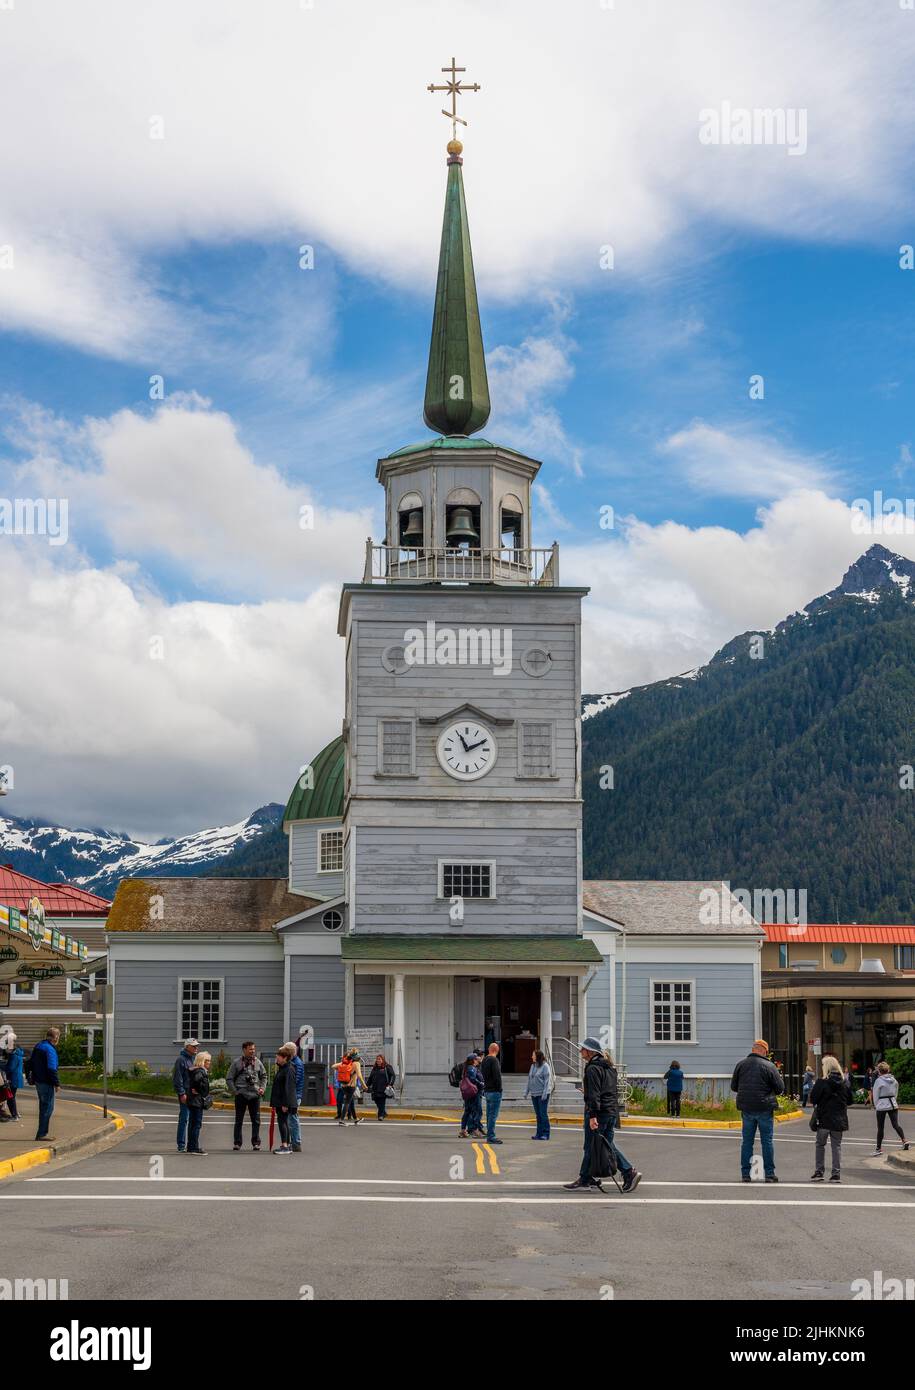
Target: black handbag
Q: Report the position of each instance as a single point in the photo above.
(814, 1120)
(604, 1163)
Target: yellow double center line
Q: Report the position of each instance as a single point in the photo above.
(485, 1149)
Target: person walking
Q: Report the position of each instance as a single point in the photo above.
(381, 1080)
(886, 1104)
(830, 1098)
(471, 1088)
(295, 1133)
(246, 1081)
(870, 1078)
(43, 1074)
(538, 1088)
(758, 1083)
(674, 1078)
(492, 1090)
(184, 1063)
(807, 1084)
(283, 1098)
(198, 1100)
(600, 1090)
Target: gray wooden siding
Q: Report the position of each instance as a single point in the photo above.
(316, 995)
(397, 879)
(303, 861)
(146, 1016)
(313, 926)
(369, 1001)
(725, 1017)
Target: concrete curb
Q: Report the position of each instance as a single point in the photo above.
(33, 1158)
(905, 1162)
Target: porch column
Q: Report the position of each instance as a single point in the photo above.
(398, 1024)
(349, 998)
(546, 1014)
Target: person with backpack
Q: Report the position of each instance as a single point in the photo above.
(198, 1100)
(600, 1091)
(830, 1098)
(808, 1081)
(758, 1083)
(11, 1063)
(381, 1080)
(674, 1078)
(886, 1104)
(42, 1073)
(471, 1088)
(283, 1098)
(298, 1066)
(348, 1072)
(538, 1088)
(246, 1081)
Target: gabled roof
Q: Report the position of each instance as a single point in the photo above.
(164, 905)
(668, 908)
(323, 800)
(57, 899)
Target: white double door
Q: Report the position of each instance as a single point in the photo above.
(429, 1023)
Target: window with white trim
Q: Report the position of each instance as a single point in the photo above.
(673, 1011)
(23, 989)
(200, 1012)
(74, 990)
(465, 879)
(396, 747)
(535, 748)
(330, 851)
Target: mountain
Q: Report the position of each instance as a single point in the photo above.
(99, 859)
(785, 763)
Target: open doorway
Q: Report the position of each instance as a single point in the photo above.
(513, 1019)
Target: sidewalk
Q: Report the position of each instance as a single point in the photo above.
(74, 1125)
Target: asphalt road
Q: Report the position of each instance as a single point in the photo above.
(408, 1210)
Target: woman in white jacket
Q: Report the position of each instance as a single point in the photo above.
(886, 1089)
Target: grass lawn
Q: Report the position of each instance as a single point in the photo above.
(86, 1080)
(699, 1110)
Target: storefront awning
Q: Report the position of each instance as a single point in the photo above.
(30, 949)
(478, 950)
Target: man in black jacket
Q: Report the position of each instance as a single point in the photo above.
(492, 1090)
(601, 1097)
(758, 1084)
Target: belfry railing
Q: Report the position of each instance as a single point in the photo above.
(392, 564)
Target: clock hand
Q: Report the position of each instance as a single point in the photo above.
(461, 737)
(472, 746)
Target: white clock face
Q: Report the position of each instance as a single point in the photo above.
(467, 750)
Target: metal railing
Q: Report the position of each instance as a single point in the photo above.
(392, 564)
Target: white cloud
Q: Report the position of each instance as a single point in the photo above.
(664, 598)
(178, 486)
(741, 463)
(276, 125)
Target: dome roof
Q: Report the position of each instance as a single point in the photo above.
(323, 800)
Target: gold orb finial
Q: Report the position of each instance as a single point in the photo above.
(455, 147)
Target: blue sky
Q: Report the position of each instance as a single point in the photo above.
(179, 257)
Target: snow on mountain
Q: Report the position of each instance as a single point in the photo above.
(99, 859)
(593, 704)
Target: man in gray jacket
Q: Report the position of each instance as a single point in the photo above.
(758, 1084)
(246, 1080)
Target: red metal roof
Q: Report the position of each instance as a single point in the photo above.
(57, 899)
(852, 931)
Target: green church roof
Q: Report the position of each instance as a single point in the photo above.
(457, 391)
(447, 441)
(324, 799)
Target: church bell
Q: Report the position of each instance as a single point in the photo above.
(413, 531)
(461, 528)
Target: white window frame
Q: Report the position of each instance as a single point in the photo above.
(330, 830)
(537, 776)
(693, 1039)
(29, 997)
(380, 769)
(201, 979)
(76, 998)
(489, 863)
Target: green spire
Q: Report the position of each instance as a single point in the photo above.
(457, 392)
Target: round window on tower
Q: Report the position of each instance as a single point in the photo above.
(394, 659)
(536, 661)
(332, 920)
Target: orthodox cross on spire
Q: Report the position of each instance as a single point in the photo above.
(457, 89)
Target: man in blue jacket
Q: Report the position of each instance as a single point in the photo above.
(295, 1132)
(180, 1080)
(43, 1065)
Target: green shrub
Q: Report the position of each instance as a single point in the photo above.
(139, 1068)
(860, 1095)
(906, 1093)
(220, 1063)
(902, 1064)
(72, 1048)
